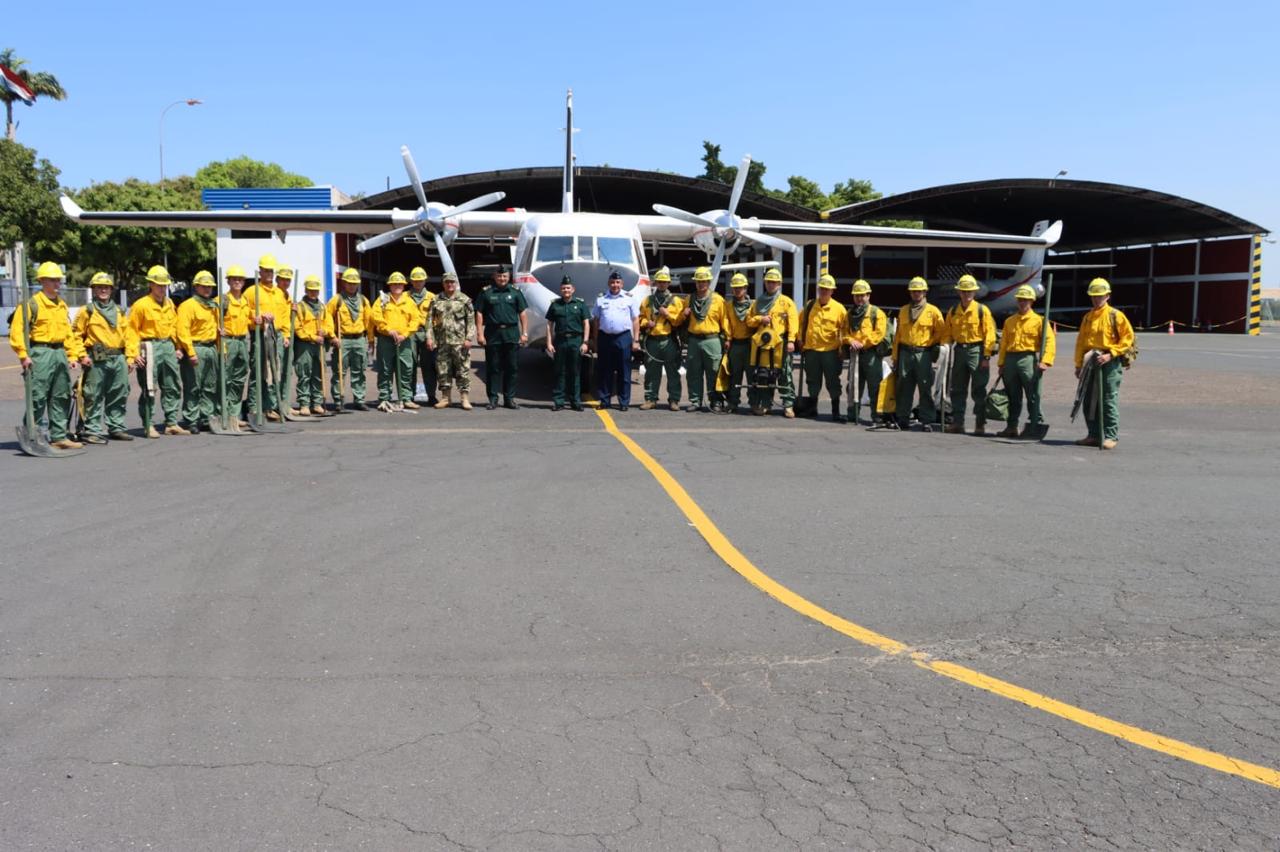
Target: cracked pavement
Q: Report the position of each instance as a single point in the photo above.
(504, 635)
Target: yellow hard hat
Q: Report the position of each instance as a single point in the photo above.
(49, 269)
(826, 282)
(702, 273)
(396, 278)
(417, 274)
(311, 282)
(236, 271)
(1099, 287)
(773, 274)
(267, 261)
(159, 275)
(738, 280)
(204, 277)
(662, 274)
(967, 283)
(917, 283)
(861, 287)
(351, 275)
(1025, 292)
(284, 272)
(101, 279)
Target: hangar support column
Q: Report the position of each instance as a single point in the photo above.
(1255, 288)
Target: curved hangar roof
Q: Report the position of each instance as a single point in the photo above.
(1094, 215)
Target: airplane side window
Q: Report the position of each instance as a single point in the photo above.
(616, 250)
(555, 249)
(586, 250)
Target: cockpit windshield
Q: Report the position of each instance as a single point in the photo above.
(616, 250)
(555, 249)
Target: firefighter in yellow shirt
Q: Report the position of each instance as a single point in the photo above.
(1019, 349)
(54, 349)
(154, 320)
(112, 348)
(424, 358)
(1106, 332)
(737, 310)
(350, 318)
(824, 329)
(661, 315)
(269, 308)
(197, 330)
(704, 316)
(311, 327)
(237, 319)
(971, 331)
(775, 316)
(394, 321)
(867, 327)
(915, 349)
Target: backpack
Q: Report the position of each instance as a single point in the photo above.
(1129, 355)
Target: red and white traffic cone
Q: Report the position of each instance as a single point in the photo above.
(1171, 326)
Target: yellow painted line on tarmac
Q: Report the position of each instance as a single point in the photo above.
(13, 367)
(736, 560)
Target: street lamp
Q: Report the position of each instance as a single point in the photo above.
(1061, 173)
(188, 102)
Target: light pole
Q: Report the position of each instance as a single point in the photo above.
(1061, 173)
(188, 102)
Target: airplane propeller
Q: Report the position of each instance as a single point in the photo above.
(726, 227)
(429, 219)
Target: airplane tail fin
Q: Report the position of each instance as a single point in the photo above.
(1029, 267)
(566, 205)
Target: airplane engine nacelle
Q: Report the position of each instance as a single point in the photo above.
(706, 239)
(450, 230)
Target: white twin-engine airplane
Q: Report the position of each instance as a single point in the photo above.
(586, 246)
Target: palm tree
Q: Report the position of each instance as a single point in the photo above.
(40, 82)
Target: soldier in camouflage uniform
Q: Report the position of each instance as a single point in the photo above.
(450, 334)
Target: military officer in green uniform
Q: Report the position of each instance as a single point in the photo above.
(568, 327)
(449, 335)
(501, 329)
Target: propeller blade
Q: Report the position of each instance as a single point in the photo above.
(715, 264)
(414, 179)
(445, 259)
(738, 183)
(394, 235)
(684, 216)
(766, 240)
(475, 204)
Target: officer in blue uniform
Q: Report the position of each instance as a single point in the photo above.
(617, 325)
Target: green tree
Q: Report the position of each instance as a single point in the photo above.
(126, 251)
(29, 202)
(246, 173)
(42, 83)
(800, 190)
(715, 169)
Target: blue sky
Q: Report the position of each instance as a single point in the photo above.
(1174, 96)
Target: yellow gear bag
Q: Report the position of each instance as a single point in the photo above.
(887, 403)
(722, 374)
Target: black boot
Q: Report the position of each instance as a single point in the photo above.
(836, 414)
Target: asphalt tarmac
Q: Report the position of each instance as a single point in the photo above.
(497, 630)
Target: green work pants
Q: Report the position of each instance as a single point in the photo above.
(700, 367)
(870, 372)
(915, 370)
(200, 385)
(237, 371)
(50, 379)
(822, 368)
(501, 366)
(967, 376)
(568, 358)
(354, 353)
(662, 355)
(395, 368)
(106, 395)
(1109, 428)
(268, 368)
(453, 365)
(169, 382)
(739, 355)
(763, 397)
(1022, 378)
(306, 366)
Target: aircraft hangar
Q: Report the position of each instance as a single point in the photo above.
(1172, 259)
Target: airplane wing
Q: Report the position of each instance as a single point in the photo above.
(806, 233)
(478, 223)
